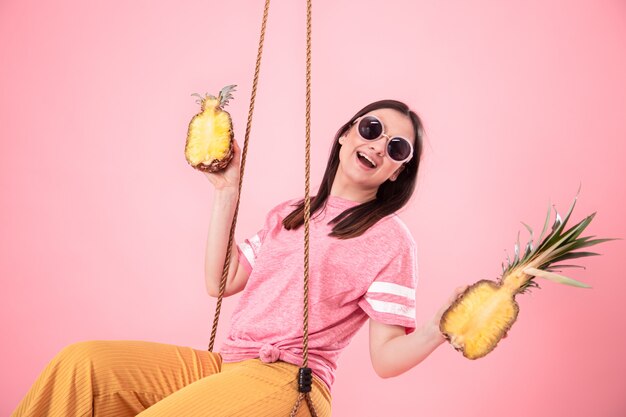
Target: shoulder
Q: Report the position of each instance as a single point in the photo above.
(285, 207)
(392, 231)
(400, 227)
(282, 210)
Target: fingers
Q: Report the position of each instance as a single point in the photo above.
(211, 176)
(236, 148)
(457, 292)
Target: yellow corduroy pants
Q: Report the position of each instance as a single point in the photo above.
(124, 378)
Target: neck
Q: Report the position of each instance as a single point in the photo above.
(348, 191)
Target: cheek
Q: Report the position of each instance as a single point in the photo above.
(345, 151)
(342, 154)
(388, 171)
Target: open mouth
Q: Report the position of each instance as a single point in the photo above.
(365, 160)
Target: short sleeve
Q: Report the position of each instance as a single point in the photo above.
(250, 248)
(390, 298)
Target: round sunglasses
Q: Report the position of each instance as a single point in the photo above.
(371, 128)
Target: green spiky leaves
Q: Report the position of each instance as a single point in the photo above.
(221, 100)
(561, 279)
(559, 245)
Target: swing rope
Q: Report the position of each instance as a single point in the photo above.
(305, 377)
(244, 152)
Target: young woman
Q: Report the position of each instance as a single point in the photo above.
(362, 266)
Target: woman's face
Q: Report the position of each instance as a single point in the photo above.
(354, 170)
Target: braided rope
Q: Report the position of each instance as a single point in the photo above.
(307, 215)
(307, 182)
(307, 203)
(257, 69)
(309, 402)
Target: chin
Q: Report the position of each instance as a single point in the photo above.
(362, 182)
(358, 178)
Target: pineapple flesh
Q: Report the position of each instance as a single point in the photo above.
(483, 314)
(209, 144)
(480, 318)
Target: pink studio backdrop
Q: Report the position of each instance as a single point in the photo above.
(103, 224)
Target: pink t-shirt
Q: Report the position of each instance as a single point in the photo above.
(373, 275)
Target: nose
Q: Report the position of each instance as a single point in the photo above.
(379, 145)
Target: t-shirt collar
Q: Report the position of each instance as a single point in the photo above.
(340, 202)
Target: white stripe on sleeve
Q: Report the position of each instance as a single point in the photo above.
(391, 308)
(393, 289)
(250, 248)
(255, 242)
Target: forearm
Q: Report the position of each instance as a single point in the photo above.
(401, 353)
(222, 213)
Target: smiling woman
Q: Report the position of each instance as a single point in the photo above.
(523, 101)
(384, 186)
(363, 265)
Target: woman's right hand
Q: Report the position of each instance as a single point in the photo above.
(228, 177)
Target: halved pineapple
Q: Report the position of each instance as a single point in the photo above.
(484, 313)
(209, 144)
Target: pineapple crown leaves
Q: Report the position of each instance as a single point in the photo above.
(201, 99)
(225, 95)
(559, 245)
(525, 288)
(222, 99)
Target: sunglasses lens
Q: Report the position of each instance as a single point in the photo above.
(399, 149)
(370, 128)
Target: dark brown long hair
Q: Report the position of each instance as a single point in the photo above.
(391, 195)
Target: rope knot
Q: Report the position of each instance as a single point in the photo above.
(269, 353)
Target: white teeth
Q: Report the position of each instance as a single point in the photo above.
(368, 158)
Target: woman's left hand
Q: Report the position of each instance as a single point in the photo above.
(437, 318)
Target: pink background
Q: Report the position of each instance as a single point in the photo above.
(103, 223)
